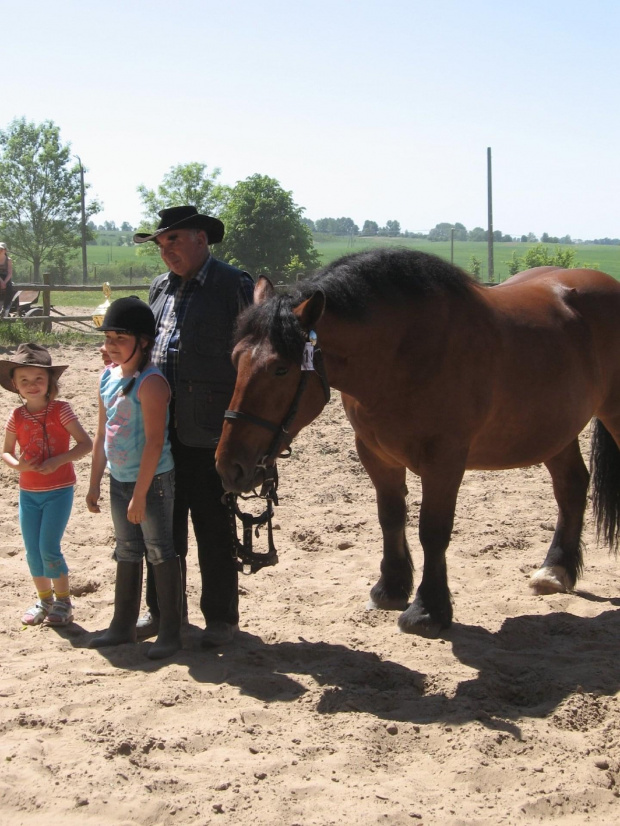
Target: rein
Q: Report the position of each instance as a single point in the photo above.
(312, 361)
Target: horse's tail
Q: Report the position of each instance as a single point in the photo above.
(605, 480)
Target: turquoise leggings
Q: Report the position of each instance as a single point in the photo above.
(43, 517)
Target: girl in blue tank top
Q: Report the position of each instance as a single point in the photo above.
(132, 443)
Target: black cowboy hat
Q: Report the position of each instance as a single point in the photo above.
(184, 217)
(28, 355)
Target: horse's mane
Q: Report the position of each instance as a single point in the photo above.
(352, 286)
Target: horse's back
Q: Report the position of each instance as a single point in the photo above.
(578, 278)
(545, 291)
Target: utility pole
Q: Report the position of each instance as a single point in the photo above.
(491, 275)
(83, 223)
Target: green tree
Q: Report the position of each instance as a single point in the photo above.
(370, 228)
(460, 232)
(337, 226)
(40, 195)
(265, 233)
(440, 232)
(475, 267)
(539, 256)
(188, 183)
(477, 234)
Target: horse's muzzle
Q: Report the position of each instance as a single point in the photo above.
(237, 478)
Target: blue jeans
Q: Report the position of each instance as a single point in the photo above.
(43, 517)
(199, 493)
(153, 536)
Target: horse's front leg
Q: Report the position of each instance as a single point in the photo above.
(431, 610)
(393, 589)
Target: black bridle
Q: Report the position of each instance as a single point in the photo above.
(312, 362)
(246, 557)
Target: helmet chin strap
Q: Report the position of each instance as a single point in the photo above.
(127, 390)
(133, 352)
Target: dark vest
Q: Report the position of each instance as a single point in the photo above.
(206, 377)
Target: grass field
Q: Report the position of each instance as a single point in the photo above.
(606, 258)
(121, 264)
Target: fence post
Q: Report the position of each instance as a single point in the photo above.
(47, 302)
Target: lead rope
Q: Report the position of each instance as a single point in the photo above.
(247, 560)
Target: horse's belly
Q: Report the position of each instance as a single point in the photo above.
(520, 444)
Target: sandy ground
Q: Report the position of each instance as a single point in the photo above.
(321, 712)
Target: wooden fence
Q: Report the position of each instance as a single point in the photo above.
(45, 318)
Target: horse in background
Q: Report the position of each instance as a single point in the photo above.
(438, 374)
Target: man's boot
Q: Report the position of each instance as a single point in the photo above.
(169, 585)
(127, 594)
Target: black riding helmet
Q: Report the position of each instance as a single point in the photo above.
(129, 315)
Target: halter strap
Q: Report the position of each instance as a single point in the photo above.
(281, 431)
(246, 559)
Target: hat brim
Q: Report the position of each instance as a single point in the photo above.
(7, 367)
(212, 226)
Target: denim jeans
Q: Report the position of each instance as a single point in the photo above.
(199, 493)
(43, 517)
(153, 536)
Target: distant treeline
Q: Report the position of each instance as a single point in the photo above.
(440, 232)
(109, 235)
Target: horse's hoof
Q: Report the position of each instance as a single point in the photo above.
(384, 599)
(417, 621)
(551, 579)
(386, 604)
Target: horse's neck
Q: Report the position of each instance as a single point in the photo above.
(346, 348)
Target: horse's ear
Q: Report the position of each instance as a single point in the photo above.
(263, 290)
(311, 310)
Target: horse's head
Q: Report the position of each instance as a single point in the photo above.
(274, 397)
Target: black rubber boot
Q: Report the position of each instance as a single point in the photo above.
(148, 624)
(169, 585)
(127, 594)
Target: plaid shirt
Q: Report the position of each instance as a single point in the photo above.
(166, 351)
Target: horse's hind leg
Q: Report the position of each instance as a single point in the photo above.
(564, 561)
(393, 589)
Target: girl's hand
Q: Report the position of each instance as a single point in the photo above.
(92, 499)
(136, 510)
(49, 465)
(27, 464)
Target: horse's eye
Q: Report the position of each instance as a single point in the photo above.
(282, 370)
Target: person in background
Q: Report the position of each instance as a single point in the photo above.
(43, 427)
(196, 304)
(132, 440)
(7, 288)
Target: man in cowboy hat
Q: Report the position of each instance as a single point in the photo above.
(196, 304)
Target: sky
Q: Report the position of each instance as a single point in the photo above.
(374, 110)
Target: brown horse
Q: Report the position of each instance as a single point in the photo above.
(438, 374)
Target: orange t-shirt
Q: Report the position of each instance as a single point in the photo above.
(42, 435)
